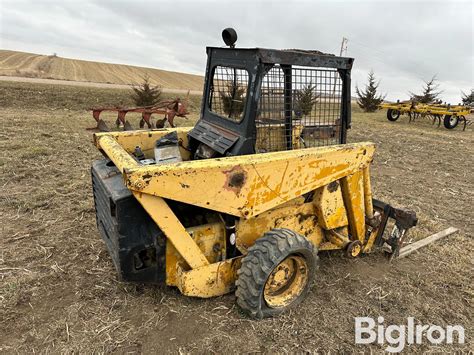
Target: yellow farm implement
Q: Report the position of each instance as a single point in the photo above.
(450, 115)
(245, 199)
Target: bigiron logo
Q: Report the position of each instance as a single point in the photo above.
(397, 336)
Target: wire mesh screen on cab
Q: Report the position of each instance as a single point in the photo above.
(299, 108)
(229, 92)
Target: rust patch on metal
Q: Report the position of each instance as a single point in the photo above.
(333, 186)
(236, 179)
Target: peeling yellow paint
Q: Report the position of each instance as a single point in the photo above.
(295, 215)
(210, 239)
(266, 185)
(209, 281)
(330, 207)
(353, 195)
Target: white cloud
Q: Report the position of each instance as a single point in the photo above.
(404, 42)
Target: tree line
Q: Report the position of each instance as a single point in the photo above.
(369, 99)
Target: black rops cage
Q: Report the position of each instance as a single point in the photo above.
(264, 100)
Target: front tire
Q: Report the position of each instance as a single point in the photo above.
(393, 115)
(450, 121)
(276, 274)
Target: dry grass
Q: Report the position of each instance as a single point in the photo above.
(59, 293)
(30, 65)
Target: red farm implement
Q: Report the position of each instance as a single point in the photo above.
(170, 109)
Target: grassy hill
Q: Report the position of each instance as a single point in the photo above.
(31, 65)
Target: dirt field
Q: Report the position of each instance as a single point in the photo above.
(21, 64)
(34, 81)
(58, 288)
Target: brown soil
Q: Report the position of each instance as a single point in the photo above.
(58, 288)
(29, 65)
(19, 79)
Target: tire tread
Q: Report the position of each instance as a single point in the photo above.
(262, 257)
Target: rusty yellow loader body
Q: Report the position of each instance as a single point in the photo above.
(227, 212)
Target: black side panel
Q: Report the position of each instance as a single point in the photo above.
(134, 241)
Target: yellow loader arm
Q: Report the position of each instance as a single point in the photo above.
(322, 193)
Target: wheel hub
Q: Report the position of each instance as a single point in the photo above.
(286, 282)
(356, 250)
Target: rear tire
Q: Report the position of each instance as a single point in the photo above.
(450, 121)
(393, 115)
(276, 274)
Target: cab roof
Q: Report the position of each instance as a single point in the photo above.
(299, 57)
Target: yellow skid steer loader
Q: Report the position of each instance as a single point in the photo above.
(246, 198)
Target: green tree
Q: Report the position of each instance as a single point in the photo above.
(468, 99)
(305, 99)
(146, 94)
(368, 99)
(430, 93)
(233, 99)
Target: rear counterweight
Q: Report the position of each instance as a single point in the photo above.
(134, 241)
